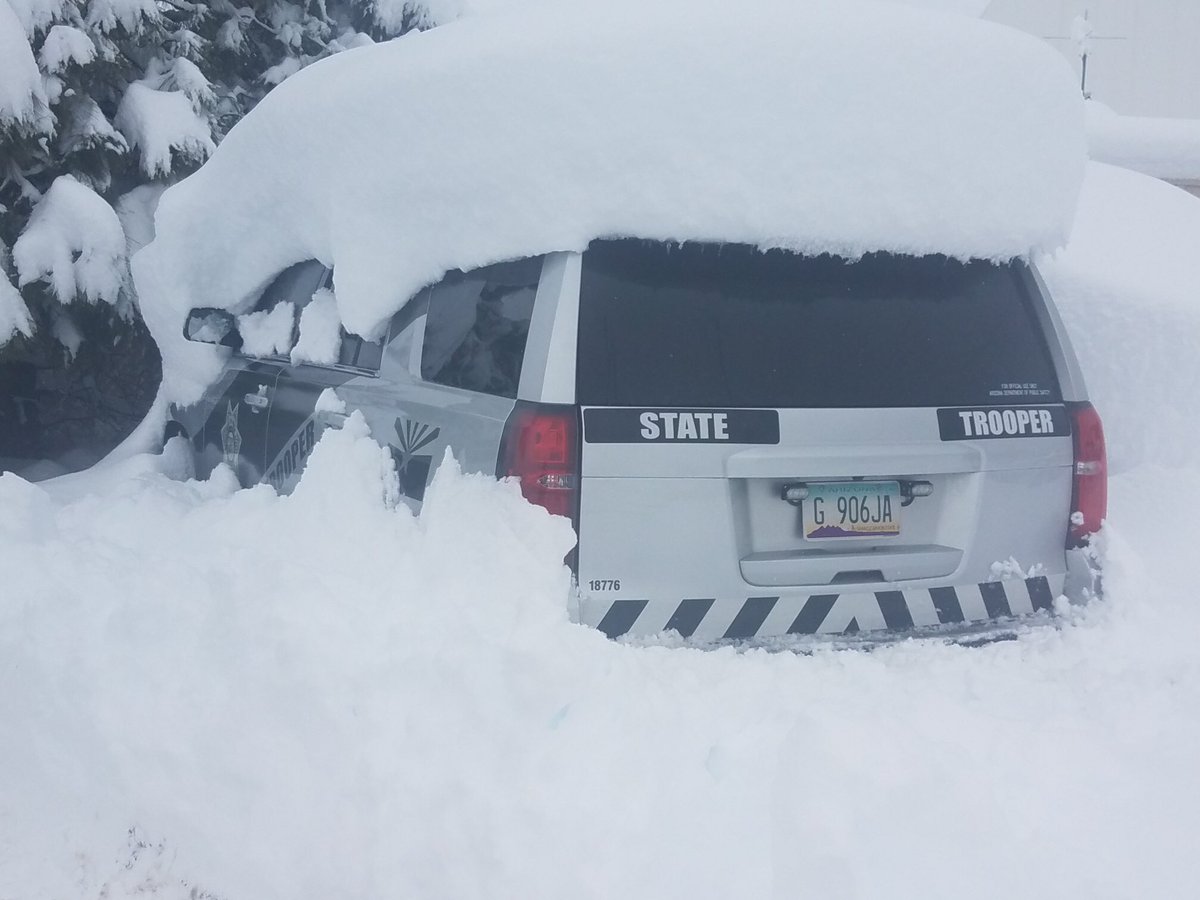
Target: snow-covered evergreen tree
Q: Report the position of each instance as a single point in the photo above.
(103, 102)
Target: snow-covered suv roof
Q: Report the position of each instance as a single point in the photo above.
(820, 127)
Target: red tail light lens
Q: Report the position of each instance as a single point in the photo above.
(541, 449)
(1089, 503)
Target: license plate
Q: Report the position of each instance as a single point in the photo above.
(846, 509)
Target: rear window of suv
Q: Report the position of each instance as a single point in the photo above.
(729, 325)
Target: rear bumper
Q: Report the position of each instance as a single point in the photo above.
(780, 614)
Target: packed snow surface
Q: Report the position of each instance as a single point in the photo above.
(1165, 148)
(214, 690)
(843, 127)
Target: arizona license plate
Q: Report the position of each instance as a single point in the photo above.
(845, 509)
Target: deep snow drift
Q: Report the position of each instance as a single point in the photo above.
(817, 126)
(1164, 148)
(320, 696)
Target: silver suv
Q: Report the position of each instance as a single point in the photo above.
(749, 444)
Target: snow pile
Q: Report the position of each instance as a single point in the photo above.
(74, 241)
(815, 126)
(159, 123)
(1164, 148)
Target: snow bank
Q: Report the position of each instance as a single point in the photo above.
(816, 126)
(1164, 148)
(1128, 286)
(73, 241)
(366, 704)
(320, 695)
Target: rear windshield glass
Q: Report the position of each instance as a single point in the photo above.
(728, 325)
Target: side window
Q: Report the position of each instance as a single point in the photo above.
(296, 283)
(269, 331)
(354, 350)
(359, 353)
(299, 285)
(477, 326)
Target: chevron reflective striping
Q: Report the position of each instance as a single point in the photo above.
(621, 616)
(862, 609)
(970, 601)
(920, 607)
(945, 600)
(713, 619)
(1040, 595)
(816, 608)
(750, 617)
(688, 615)
(995, 600)
(895, 610)
(1018, 597)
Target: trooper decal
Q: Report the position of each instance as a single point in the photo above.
(413, 470)
(231, 437)
(291, 458)
(1003, 422)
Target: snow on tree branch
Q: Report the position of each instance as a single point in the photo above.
(158, 123)
(37, 15)
(74, 241)
(65, 45)
(23, 103)
(14, 314)
(123, 94)
(132, 15)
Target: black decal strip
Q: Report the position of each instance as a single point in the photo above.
(989, 422)
(945, 601)
(621, 616)
(750, 617)
(995, 601)
(688, 616)
(895, 610)
(851, 627)
(1040, 594)
(816, 608)
(626, 425)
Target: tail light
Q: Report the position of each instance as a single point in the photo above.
(1089, 497)
(540, 448)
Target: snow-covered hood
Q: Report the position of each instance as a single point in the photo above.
(815, 126)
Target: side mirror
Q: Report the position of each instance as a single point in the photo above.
(209, 325)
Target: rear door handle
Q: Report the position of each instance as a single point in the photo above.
(331, 418)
